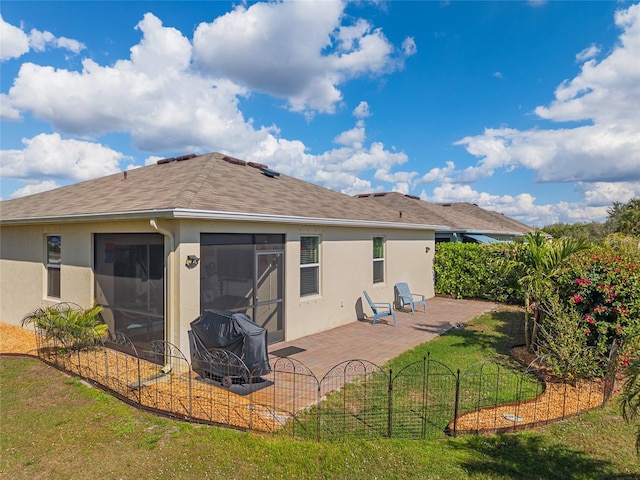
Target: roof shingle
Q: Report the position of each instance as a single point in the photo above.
(205, 183)
(458, 216)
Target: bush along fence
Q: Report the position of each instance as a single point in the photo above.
(354, 399)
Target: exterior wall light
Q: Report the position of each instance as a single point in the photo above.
(192, 261)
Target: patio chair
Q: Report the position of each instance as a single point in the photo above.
(407, 298)
(380, 310)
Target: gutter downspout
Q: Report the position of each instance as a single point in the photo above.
(168, 294)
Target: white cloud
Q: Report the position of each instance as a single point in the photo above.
(8, 112)
(300, 51)
(520, 207)
(497, 75)
(607, 92)
(354, 137)
(151, 160)
(31, 188)
(588, 53)
(153, 96)
(161, 48)
(438, 174)
(165, 104)
(50, 156)
(586, 154)
(39, 41)
(362, 110)
(597, 198)
(602, 194)
(13, 41)
(402, 181)
(409, 47)
(600, 156)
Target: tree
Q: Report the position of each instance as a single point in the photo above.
(593, 232)
(542, 261)
(624, 217)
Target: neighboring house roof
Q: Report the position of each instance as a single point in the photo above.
(472, 217)
(458, 217)
(204, 186)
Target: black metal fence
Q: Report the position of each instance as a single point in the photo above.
(356, 398)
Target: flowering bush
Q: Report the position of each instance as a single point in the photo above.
(603, 285)
(562, 344)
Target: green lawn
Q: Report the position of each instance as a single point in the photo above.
(55, 427)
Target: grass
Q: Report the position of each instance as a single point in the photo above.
(424, 385)
(56, 427)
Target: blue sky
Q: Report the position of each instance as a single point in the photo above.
(528, 108)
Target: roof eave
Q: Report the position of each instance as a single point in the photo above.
(182, 213)
(482, 232)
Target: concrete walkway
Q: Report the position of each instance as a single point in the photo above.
(381, 342)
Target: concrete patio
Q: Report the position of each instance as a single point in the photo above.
(381, 342)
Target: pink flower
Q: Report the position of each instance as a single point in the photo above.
(576, 298)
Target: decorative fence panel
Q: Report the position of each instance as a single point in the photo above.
(423, 400)
(354, 399)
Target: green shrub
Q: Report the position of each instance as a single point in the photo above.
(471, 270)
(67, 324)
(562, 344)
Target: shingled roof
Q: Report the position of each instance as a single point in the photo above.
(203, 186)
(460, 216)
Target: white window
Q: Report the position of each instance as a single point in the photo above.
(378, 259)
(53, 265)
(309, 266)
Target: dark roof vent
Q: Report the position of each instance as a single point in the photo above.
(186, 157)
(379, 194)
(257, 165)
(270, 173)
(413, 196)
(364, 195)
(445, 204)
(235, 161)
(166, 160)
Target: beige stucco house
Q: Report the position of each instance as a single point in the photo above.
(157, 245)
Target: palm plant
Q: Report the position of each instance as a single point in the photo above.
(631, 396)
(542, 261)
(67, 324)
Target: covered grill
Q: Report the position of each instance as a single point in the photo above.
(228, 347)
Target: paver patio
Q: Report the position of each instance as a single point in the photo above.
(382, 341)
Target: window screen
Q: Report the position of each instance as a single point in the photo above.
(54, 244)
(378, 259)
(309, 266)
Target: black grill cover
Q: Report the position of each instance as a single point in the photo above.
(236, 333)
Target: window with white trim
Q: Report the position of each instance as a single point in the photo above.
(378, 259)
(54, 245)
(309, 266)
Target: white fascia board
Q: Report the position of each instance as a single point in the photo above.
(181, 213)
(268, 218)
